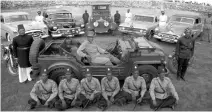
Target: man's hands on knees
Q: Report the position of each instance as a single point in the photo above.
(139, 100)
(112, 99)
(38, 103)
(154, 102)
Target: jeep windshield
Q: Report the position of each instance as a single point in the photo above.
(144, 18)
(60, 15)
(182, 20)
(101, 10)
(16, 18)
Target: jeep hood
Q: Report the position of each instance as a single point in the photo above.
(28, 25)
(139, 25)
(176, 28)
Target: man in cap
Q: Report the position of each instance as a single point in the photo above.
(85, 17)
(110, 87)
(90, 89)
(117, 18)
(161, 89)
(162, 20)
(134, 87)
(69, 90)
(21, 47)
(96, 54)
(208, 27)
(184, 51)
(39, 17)
(128, 16)
(44, 92)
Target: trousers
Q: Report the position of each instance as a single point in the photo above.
(33, 103)
(105, 59)
(163, 103)
(182, 67)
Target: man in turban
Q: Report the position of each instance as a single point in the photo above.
(21, 45)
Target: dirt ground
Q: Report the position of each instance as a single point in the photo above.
(195, 94)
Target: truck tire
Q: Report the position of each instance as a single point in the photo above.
(172, 64)
(36, 47)
(148, 72)
(58, 74)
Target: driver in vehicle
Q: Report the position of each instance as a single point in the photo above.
(96, 54)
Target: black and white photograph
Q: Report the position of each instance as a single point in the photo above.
(106, 55)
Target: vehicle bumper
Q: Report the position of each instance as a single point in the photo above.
(165, 39)
(133, 32)
(44, 36)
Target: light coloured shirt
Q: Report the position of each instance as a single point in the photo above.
(128, 17)
(162, 22)
(87, 88)
(163, 18)
(39, 18)
(92, 49)
(70, 89)
(110, 87)
(45, 91)
(208, 23)
(157, 92)
(132, 85)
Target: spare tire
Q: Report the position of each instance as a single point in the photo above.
(35, 48)
(148, 72)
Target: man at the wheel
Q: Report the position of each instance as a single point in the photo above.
(96, 53)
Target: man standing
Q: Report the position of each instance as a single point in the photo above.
(117, 18)
(95, 53)
(162, 20)
(110, 87)
(44, 92)
(184, 51)
(39, 17)
(160, 90)
(69, 90)
(85, 17)
(208, 27)
(134, 87)
(21, 45)
(90, 90)
(128, 16)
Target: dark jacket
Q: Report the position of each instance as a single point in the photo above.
(85, 17)
(117, 18)
(21, 46)
(185, 47)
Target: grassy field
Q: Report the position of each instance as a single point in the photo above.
(195, 93)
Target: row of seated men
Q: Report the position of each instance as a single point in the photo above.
(73, 93)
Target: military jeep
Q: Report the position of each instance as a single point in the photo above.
(58, 56)
(61, 22)
(101, 20)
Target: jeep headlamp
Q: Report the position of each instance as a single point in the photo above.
(106, 23)
(54, 28)
(95, 24)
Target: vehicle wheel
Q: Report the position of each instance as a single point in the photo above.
(8, 38)
(12, 70)
(112, 32)
(172, 64)
(58, 74)
(150, 35)
(148, 72)
(36, 47)
(4, 53)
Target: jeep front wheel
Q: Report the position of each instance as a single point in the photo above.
(148, 72)
(58, 74)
